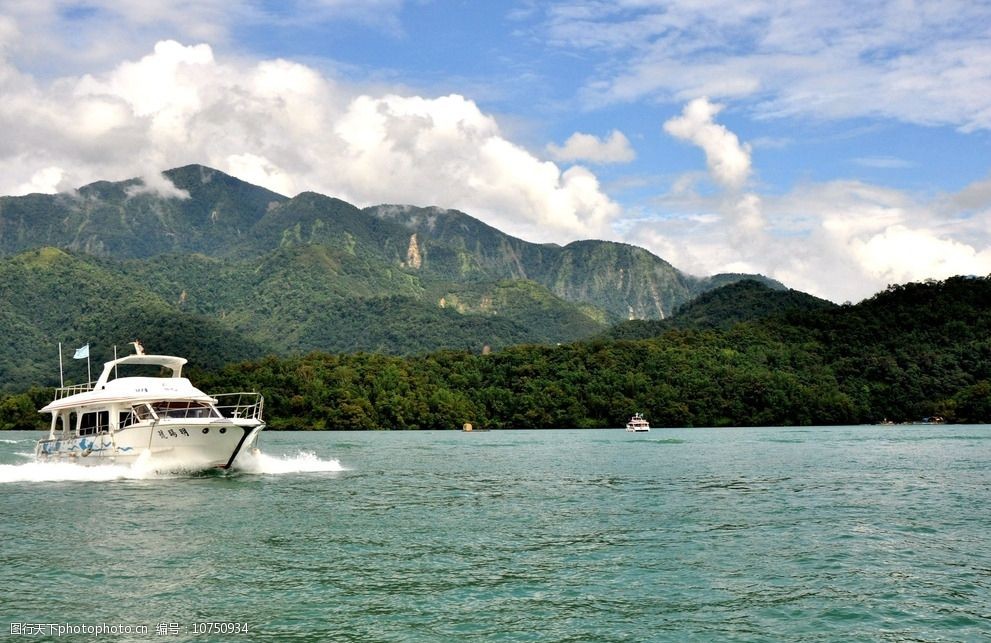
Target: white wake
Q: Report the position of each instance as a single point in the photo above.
(303, 462)
(35, 471)
(144, 469)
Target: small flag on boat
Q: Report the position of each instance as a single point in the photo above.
(81, 353)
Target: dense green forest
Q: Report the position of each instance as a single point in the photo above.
(912, 351)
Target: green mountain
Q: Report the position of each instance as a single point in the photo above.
(292, 300)
(724, 307)
(219, 216)
(125, 220)
(220, 270)
(47, 296)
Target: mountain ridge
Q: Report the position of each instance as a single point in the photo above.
(266, 273)
(220, 215)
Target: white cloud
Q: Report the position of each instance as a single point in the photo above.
(378, 13)
(727, 159)
(899, 254)
(45, 181)
(285, 126)
(883, 162)
(47, 36)
(842, 240)
(975, 196)
(258, 170)
(588, 147)
(158, 184)
(288, 127)
(446, 152)
(924, 62)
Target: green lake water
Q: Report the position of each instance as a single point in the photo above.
(748, 534)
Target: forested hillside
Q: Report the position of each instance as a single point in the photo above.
(736, 302)
(210, 213)
(910, 352)
(220, 270)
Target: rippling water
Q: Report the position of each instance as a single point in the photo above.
(817, 534)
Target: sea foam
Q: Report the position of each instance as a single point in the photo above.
(73, 472)
(302, 462)
(144, 469)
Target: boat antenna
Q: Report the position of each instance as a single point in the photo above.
(61, 380)
(115, 361)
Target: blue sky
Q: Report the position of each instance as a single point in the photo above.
(837, 147)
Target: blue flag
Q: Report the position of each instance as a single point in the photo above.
(81, 353)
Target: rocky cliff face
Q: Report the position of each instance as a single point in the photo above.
(626, 281)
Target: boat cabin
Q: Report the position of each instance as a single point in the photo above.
(118, 400)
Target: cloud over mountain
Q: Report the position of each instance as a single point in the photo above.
(851, 151)
(841, 239)
(287, 127)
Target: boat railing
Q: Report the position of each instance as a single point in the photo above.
(66, 391)
(240, 406)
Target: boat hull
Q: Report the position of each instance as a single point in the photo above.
(186, 445)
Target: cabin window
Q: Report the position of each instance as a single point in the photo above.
(142, 412)
(138, 413)
(184, 409)
(87, 424)
(94, 422)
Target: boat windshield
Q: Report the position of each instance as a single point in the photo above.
(138, 370)
(184, 409)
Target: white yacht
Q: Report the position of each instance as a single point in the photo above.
(637, 424)
(132, 410)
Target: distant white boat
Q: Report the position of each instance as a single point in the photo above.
(120, 419)
(637, 424)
